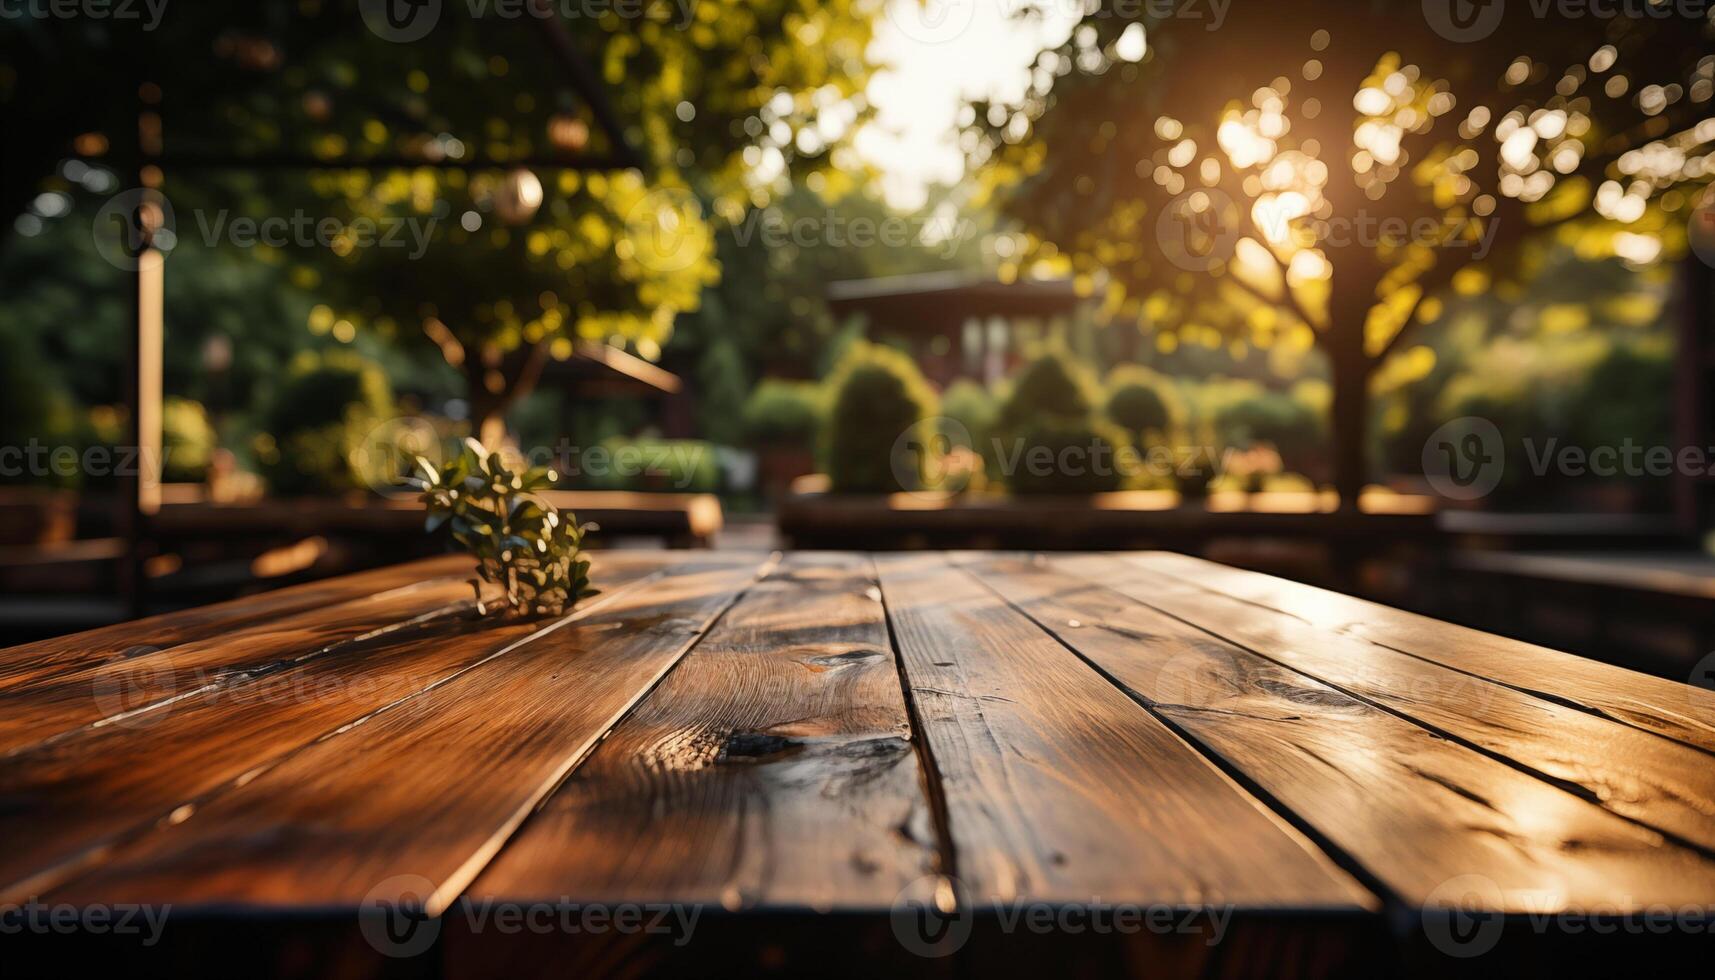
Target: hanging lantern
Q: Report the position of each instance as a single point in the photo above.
(568, 133)
(519, 197)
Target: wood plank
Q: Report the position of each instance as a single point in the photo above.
(1415, 810)
(1059, 788)
(1667, 708)
(1655, 781)
(76, 799)
(33, 661)
(772, 768)
(430, 789)
(124, 690)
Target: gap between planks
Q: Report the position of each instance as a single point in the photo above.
(1650, 867)
(80, 854)
(320, 849)
(1605, 690)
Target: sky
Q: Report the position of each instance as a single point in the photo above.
(941, 54)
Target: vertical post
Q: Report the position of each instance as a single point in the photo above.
(140, 484)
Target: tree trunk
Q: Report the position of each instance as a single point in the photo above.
(1350, 422)
(1351, 298)
(492, 392)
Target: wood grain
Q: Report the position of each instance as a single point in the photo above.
(772, 768)
(409, 805)
(1414, 810)
(72, 801)
(123, 690)
(1668, 708)
(50, 707)
(34, 661)
(1059, 788)
(1655, 781)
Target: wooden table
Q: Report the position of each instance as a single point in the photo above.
(934, 763)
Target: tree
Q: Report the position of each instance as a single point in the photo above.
(519, 262)
(726, 112)
(1294, 173)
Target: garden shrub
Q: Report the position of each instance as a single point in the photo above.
(878, 395)
(1050, 413)
(314, 419)
(1052, 388)
(1069, 458)
(1140, 402)
(1278, 419)
(784, 413)
(977, 409)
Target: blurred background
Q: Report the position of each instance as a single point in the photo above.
(1410, 300)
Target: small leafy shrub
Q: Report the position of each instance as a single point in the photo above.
(1053, 388)
(33, 405)
(878, 396)
(1140, 402)
(977, 409)
(316, 418)
(784, 413)
(521, 543)
(1050, 438)
(1274, 419)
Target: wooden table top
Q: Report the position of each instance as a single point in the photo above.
(846, 738)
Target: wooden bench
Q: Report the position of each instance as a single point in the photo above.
(837, 763)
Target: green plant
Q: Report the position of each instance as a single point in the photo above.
(879, 397)
(784, 413)
(521, 543)
(1070, 458)
(1139, 401)
(1277, 419)
(317, 416)
(189, 440)
(1051, 438)
(1052, 388)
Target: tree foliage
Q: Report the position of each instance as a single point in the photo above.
(1337, 177)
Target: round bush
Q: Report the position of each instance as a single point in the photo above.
(1280, 420)
(1050, 389)
(878, 396)
(784, 413)
(1069, 458)
(1138, 408)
